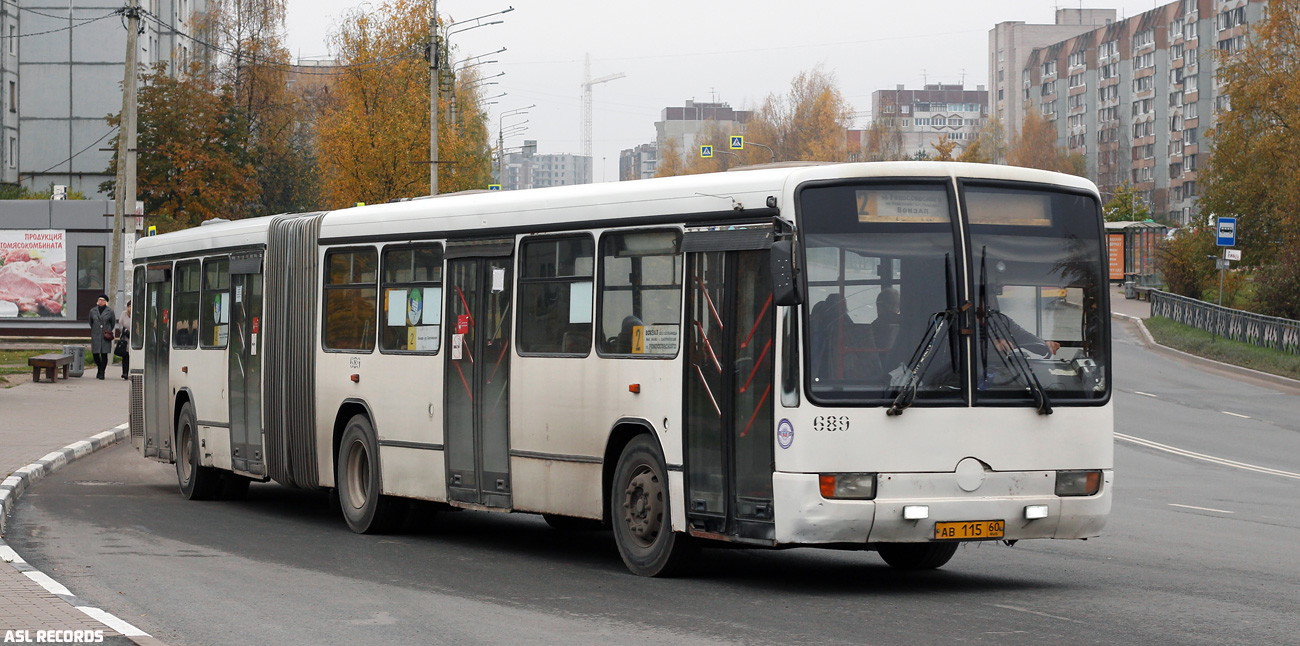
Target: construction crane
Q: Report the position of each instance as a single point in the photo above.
(586, 103)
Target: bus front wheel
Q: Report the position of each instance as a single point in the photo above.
(197, 481)
(359, 485)
(640, 513)
(916, 556)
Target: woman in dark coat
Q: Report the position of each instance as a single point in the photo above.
(102, 318)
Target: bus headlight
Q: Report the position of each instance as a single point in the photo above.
(1077, 483)
(851, 486)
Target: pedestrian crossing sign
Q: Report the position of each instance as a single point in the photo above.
(494, 187)
(737, 142)
(706, 151)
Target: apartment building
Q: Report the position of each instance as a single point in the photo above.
(1136, 97)
(638, 163)
(527, 169)
(685, 124)
(61, 69)
(1010, 45)
(925, 116)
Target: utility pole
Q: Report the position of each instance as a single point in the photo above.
(434, 82)
(124, 190)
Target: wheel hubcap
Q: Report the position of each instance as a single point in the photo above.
(643, 506)
(358, 475)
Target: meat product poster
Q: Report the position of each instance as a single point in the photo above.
(33, 273)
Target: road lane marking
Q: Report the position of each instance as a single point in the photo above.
(1221, 511)
(1207, 458)
(1138, 392)
(1235, 414)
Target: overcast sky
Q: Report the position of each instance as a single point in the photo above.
(674, 50)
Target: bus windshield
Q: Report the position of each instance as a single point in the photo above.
(880, 263)
(884, 262)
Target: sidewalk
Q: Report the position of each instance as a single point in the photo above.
(1132, 308)
(37, 419)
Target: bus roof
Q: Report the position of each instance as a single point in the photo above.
(589, 204)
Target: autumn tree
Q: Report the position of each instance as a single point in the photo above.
(670, 159)
(943, 148)
(808, 123)
(193, 164)
(1036, 147)
(1126, 206)
(373, 137)
(1254, 169)
(989, 146)
(883, 140)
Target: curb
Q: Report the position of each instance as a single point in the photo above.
(1266, 377)
(19, 482)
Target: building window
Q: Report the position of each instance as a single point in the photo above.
(350, 299)
(640, 294)
(214, 315)
(412, 299)
(90, 268)
(13, 96)
(555, 296)
(185, 306)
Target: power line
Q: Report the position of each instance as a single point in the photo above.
(289, 67)
(39, 13)
(76, 154)
(68, 28)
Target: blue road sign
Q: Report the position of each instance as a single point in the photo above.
(737, 142)
(494, 187)
(1227, 232)
(706, 151)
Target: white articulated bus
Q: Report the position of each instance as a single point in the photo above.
(898, 357)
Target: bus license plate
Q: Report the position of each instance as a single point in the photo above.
(969, 530)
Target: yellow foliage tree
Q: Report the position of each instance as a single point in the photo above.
(1036, 147)
(670, 159)
(373, 136)
(943, 148)
(990, 145)
(808, 123)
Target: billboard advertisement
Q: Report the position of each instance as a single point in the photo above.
(33, 268)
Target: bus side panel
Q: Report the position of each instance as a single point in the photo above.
(206, 379)
(334, 386)
(567, 407)
(405, 396)
(413, 473)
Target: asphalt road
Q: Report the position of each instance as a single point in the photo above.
(1196, 552)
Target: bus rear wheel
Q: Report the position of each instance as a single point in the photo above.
(916, 556)
(641, 515)
(359, 485)
(197, 482)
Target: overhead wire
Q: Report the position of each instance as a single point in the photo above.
(76, 154)
(68, 28)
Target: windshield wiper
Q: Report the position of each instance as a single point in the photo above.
(916, 367)
(1014, 356)
(999, 326)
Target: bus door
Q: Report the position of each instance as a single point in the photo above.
(157, 347)
(245, 373)
(477, 390)
(729, 382)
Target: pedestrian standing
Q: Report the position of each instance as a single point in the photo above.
(124, 339)
(102, 320)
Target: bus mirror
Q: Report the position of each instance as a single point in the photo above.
(785, 284)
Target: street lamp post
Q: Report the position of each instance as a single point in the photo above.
(435, 81)
(501, 138)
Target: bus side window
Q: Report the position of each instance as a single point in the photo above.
(350, 299)
(412, 319)
(555, 293)
(138, 309)
(185, 306)
(640, 294)
(214, 310)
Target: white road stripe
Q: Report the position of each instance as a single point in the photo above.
(1138, 392)
(1235, 414)
(1207, 458)
(113, 622)
(1035, 612)
(54, 587)
(1221, 511)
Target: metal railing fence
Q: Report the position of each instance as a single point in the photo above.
(1264, 331)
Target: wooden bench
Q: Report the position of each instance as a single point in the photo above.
(50, 362)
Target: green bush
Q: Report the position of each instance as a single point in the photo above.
(1277, 286)
(1184, 263)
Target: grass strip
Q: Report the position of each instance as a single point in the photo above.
(1196, 341)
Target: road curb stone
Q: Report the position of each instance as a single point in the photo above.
(22, 479)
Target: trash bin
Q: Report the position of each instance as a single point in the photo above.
(78, 353)
(1130, 290)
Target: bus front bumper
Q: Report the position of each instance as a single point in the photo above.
(1017, 499)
